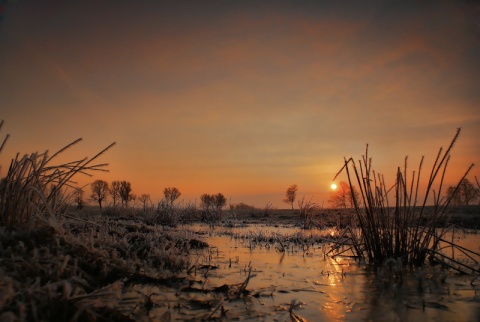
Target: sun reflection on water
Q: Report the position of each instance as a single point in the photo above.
(333, 289)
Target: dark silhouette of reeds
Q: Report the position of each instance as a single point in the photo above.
(34, 186)
(408, 228)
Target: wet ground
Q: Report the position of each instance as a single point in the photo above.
(247, 275)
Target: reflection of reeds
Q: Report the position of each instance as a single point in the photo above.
(404, 229)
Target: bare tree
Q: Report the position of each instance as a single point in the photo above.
(342, 197)
(219, 201)
(99, 191)
(455, 199)
(464, 194)
(115, 191)
(171, 194)
(213, 202)
(125, 192)
(79, 198)
(291, 195)
(144, 199)
(207, 201)
(212, 206)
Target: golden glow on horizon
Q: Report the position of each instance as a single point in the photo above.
(208, 110)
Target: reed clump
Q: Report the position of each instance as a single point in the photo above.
(307, 213)
(35, 186)
(407, 228)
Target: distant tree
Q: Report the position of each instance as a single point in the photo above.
(171, 194)
(241, 206)
(342, 196)
(207, 201)
(219, 201)
(455, 199)
(212, 206)
(291, 195)
(464, 194)
(125, 192)
(144, 199)
(115, 191)
(99, 191)
(133, 197)
(79, 198)
(213, 202)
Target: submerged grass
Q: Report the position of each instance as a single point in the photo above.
(408, 228)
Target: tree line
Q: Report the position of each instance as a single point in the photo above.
(121, 192)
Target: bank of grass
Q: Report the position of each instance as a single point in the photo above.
(56, 265)
(77, 269)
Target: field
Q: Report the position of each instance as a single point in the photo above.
(168, 262)
(120, 265)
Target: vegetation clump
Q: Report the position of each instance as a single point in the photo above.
(408, 228)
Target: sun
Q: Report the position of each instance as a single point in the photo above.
(333, 186)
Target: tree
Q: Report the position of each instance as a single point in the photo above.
(207, 201)
(171, 194)
(99, 191)
(342, 196)
(463, 194)
(291, 194)
(144, 199)
(79, 198)
(213, 202)
(219, 201)
(125, 192)
(212, 206)
(115, 191)
(454, 197)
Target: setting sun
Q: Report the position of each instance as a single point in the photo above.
(333, 186)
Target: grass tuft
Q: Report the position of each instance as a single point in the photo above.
(404, 229)
(33, 186)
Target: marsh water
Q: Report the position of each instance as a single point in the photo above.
(295, 280)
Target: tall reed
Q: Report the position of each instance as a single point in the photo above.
(33, 185)
(405, 229)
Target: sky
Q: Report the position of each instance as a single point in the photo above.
(243, 98)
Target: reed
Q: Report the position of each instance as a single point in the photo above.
(405, 229)
(307, 213)
(35, 186)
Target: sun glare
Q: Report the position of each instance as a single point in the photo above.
(333, 186)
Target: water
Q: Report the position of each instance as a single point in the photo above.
(303, 283)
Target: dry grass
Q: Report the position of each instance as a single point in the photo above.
(71, 269)
(35, 186)
(59, 266)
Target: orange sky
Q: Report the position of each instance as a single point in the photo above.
(241, 98)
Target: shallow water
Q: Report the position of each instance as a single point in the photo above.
(303, 283)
